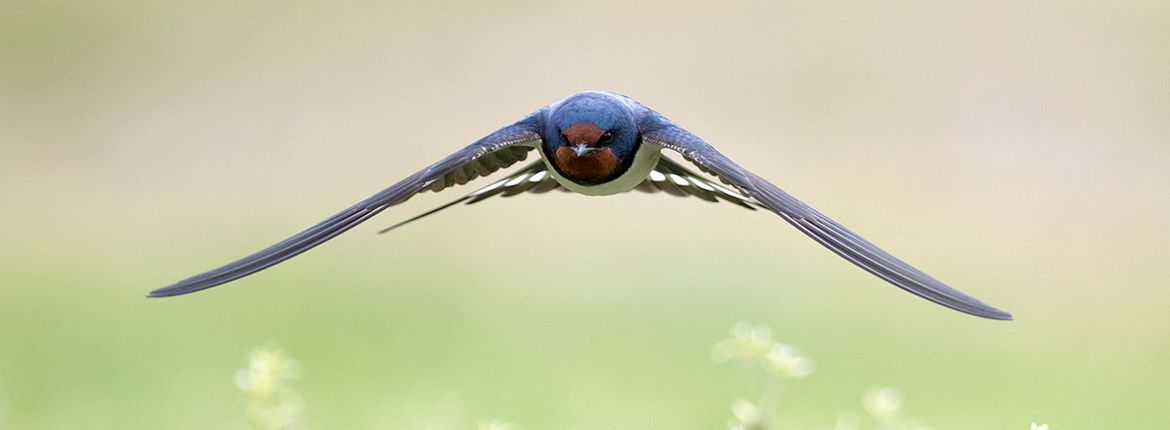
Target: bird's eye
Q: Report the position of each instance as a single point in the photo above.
(606, 138)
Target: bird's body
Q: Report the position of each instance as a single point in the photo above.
(600, 143)
(585, 119)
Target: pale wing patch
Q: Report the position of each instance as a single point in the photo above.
(533, 178)
(667, 176)
(672, 178)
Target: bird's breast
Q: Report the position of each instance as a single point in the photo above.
(616, 181)
(592, 167)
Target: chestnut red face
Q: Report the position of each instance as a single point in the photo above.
(583, 154)
(592, 167)
(583, 133)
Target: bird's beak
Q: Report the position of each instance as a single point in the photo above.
(582, 149)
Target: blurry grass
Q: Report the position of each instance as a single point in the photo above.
(393, 334)
(274, 404)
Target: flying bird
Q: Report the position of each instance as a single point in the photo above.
(601, 143)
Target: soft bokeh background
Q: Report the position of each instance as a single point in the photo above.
(1018, 150)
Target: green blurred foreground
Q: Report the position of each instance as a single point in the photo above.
(274, 404)
(629, 348)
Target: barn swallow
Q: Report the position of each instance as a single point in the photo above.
(601, 143)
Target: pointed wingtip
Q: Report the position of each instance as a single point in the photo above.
(974, 307)
(996, 314)
(179, 288)
(160, 292)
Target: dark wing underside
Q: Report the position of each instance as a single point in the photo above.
(668, 177)
(498, 150)
(532, 178)
(816, 225)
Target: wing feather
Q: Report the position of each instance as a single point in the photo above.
(667, 176)
(512, 142)
(816, 225)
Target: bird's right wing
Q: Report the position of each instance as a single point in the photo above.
(821, 228)
(497, 150)
(674, 179)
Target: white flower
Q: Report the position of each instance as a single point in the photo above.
(269, 369)
(884, 404)
(496, 424)
(1039, 426)
(747, 341)
(272, 402)
(747, 415)
(784, 362)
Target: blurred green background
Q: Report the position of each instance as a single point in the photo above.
(1017, 150)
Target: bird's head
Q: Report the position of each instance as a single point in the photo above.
(591, 138)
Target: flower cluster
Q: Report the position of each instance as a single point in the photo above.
(753, 347)
(267, 381)
(884, 407)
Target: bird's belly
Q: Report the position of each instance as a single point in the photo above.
(644, 161)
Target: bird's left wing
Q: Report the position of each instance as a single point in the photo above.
(495, 151)
(845, 243)
(533, 178)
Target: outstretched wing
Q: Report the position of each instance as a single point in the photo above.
(816, 225)
(667, 176)
(500, 149)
